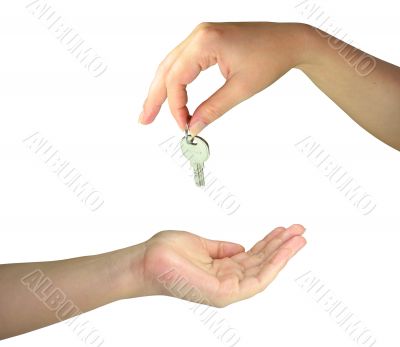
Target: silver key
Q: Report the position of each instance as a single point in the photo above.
(196, 150)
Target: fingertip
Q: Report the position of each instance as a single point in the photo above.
(296, 244)
(300, 241)
(229, 249)
(233, 248)
(143, 119)
(274, 232)
(241, 248)
(297, 228)
(296, 240)
(148, 114)
(140, 119)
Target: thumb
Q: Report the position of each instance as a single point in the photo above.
(233, 92)
(222, 249)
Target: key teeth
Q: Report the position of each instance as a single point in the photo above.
(199, 182)
(199, 177)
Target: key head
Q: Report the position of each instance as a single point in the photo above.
(195, 149)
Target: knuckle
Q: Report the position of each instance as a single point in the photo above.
(159, 234)
(203, 26)
(162, 68)
(208, 32)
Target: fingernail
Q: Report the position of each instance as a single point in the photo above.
(196, 127)
(140, 119)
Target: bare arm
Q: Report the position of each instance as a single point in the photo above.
(33, 295)
(365, 87)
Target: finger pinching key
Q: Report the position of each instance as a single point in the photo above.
(196, 150)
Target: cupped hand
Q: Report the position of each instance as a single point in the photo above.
(217, 273)
(250, 56)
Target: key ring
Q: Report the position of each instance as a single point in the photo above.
(189, 142)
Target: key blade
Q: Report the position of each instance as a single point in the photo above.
(198, 169)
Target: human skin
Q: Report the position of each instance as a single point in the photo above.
(252, 56)
(219, 272)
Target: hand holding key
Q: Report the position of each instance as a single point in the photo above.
(250, 56)
(253, 55)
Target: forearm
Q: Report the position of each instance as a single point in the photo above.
(33, 295)
(365, 87)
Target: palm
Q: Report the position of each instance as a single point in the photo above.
(217, 273)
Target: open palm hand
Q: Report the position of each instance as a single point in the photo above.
(216, 273)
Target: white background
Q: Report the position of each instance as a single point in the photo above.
(93, 123)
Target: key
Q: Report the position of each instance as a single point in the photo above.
(196, 150)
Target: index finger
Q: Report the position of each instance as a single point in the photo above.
(184, 71)
(157, 93)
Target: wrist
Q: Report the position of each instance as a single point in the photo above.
(125, 270)
(304, 45)
(311, 47)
